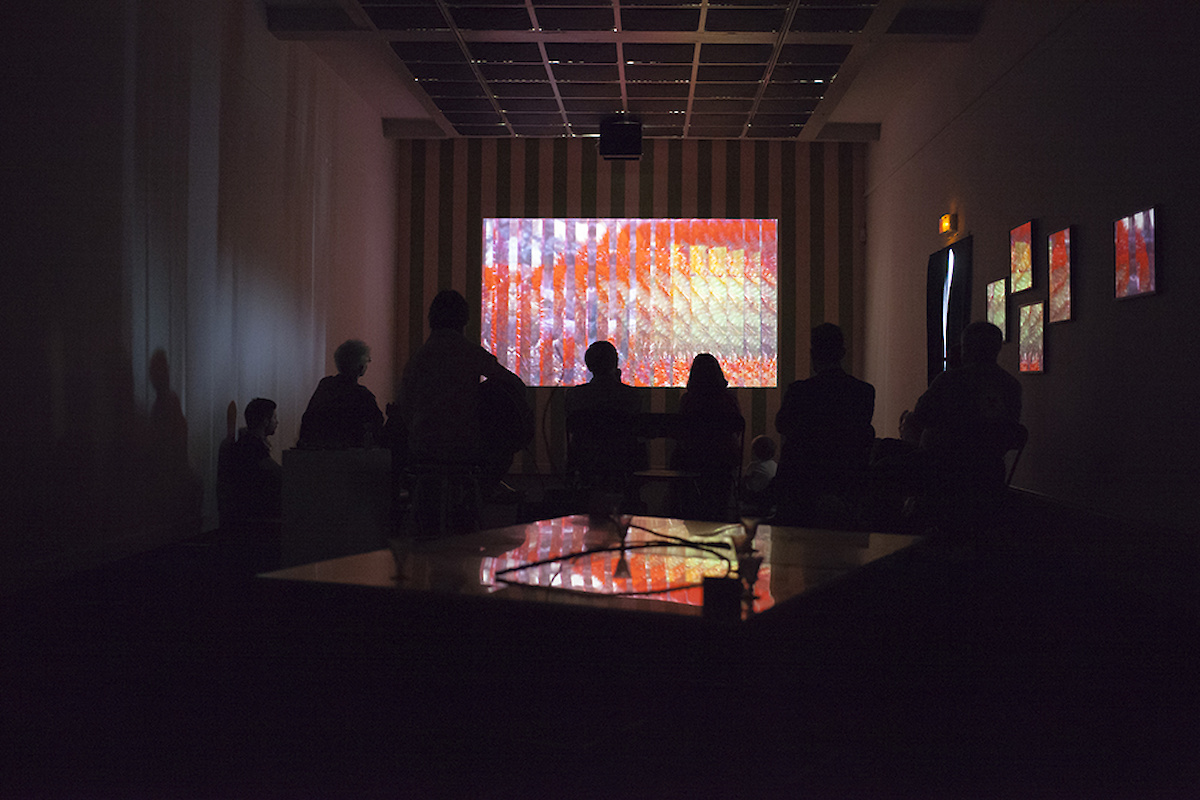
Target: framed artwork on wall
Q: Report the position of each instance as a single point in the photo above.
(1059, 247)
(1020, 249)
(997, 302)
(1133, 242)
(1031, 342)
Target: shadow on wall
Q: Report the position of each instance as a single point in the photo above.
(117, 481)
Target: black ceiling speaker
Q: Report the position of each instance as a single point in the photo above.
(621, 139)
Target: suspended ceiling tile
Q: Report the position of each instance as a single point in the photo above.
(750, 73)
(484, 18)
(586, 73)
(659, 53)
(576, 19)
(726, 89)
(512, 72)
(582, 52)
(744, 19)
(659, 19)
(527, 89)
(608, 90)
(658, 72)
(657, 90)
(501, 52)
(713, 53)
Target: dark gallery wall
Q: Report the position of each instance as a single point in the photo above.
(447, 187)
(195, 213)
(1069, 115)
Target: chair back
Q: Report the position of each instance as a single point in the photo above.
(1016, 447)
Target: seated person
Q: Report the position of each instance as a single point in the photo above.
(888, 450)
(342, 413)
(756, 479)
(250, 485)
(825, 422)
(969, 416)
(602, 444)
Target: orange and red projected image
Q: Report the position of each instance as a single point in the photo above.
(1031, 338)
(1134, 243)
(997, 301)
(657, 559)
(661, 290)
(1060, 275)
(1020, 248)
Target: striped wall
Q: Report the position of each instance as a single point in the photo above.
(816, 190)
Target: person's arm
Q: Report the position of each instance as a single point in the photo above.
(787, 418)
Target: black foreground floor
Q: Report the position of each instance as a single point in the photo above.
(1055, 657)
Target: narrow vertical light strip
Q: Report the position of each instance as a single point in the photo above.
(946, 308)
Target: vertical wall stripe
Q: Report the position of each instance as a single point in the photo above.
(845, 242)
(403, 343)
(583, 162)
(689, 185)
(416, 253)
(470, 230)
(675, 178)
(645, 203)
(716, 188)
(704, 179)
(504, 177)
(733, 178)
(787, 266)
(816, 227)
(764, 172)
(445, 221)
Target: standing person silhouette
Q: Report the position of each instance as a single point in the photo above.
(710, 442)
(825, 422)
(461, 406)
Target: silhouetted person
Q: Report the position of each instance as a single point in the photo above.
(602, 445)
(452, 417)
(250, 487)
(711, 429)
(825, 421)
(342, 413)
(887, 450)
(969, 416)
(759, 473)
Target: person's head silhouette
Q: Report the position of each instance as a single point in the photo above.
(828, 345)
(448, 310)
(981, 343)
(352, 357)
(601, 359)
(706, 374)
(260, 417)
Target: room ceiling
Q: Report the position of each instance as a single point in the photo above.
(706, 69)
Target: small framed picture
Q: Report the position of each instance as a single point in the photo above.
(1031, 339)
(1133, 241)
(1020, 250)
(997, 305)
(1059, 246)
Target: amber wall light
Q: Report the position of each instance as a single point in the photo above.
(948, 223)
